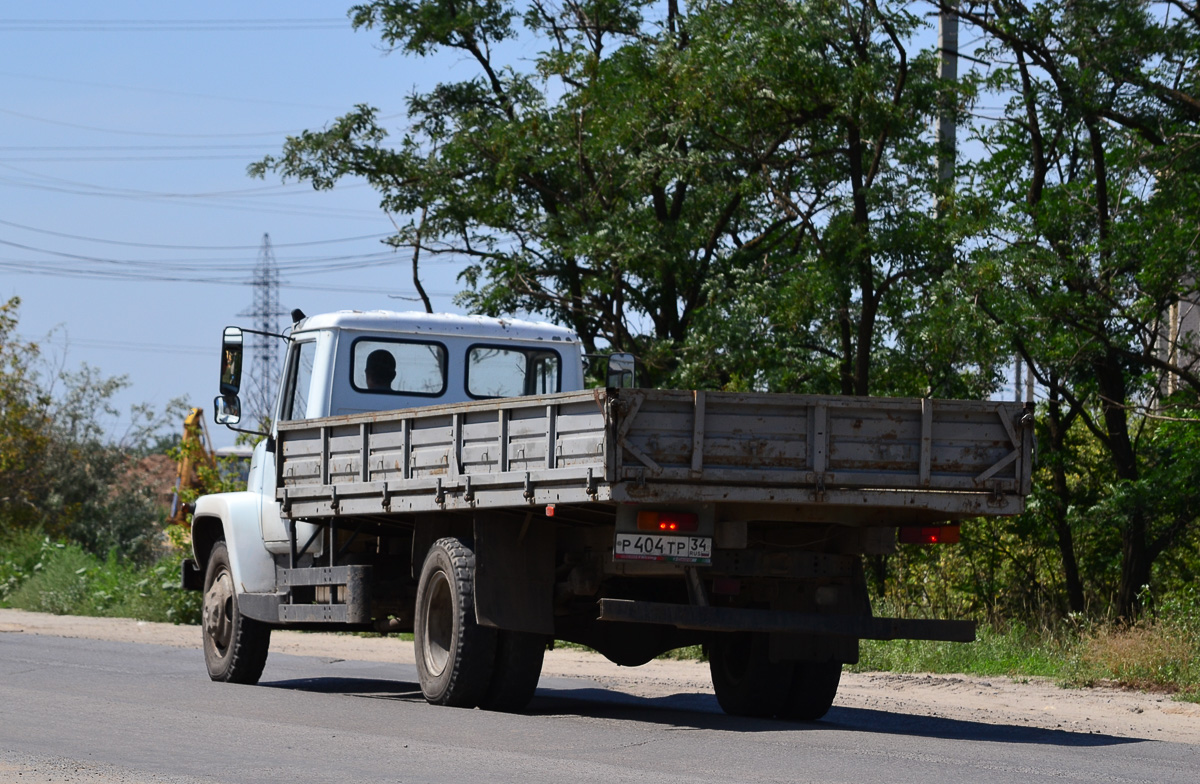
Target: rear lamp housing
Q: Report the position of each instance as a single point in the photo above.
(668, 522)
(935, 534)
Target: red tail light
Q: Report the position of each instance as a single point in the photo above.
(939, 534)
(668, 522)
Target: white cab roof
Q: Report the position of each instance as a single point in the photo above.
(419, 323)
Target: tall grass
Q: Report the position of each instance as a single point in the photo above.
(1014, 650)
(1156, 654)
(40, 575)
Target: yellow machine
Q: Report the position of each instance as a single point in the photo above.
(195, 450)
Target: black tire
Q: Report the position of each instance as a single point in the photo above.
(455, 655)
(814, 685)
(518, 668)
(235, 647)
(746, 681)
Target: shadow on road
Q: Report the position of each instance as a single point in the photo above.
(701, 712)
(355, 687)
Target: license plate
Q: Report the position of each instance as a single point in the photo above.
(663, 547)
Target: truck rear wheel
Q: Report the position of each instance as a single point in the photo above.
(455, 655)
(746, 681)
(235, 647)
(814, 685)
(519, 657)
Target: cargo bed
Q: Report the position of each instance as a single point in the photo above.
(851, 460)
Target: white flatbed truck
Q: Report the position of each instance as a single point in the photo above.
(487, 502)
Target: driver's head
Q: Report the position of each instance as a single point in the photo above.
(381, 369)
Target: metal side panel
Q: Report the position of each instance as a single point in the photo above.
(938, 459)
(822, 441)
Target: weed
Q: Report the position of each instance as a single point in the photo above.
(65, 579)
(1153, 656)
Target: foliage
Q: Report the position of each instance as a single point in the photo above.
(21, 550)
(59, 473)
(1013, 650)
(25, 422)
(65, 579)
(642, 175)
(1087, 194)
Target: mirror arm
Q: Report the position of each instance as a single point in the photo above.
(237, 429)
(268, 334)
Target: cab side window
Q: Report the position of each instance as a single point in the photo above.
(495, 371)
(300, 374)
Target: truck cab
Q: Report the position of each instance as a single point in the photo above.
(356, 362)
(335, 360)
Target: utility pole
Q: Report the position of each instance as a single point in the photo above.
(265, 312)
(947, 131)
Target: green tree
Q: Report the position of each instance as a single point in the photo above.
(25, 423)
(59, 471)
(642, 171)
(1089, 186)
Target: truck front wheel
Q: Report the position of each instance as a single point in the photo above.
(455, 655)
(235, 647)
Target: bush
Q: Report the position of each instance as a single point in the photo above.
(20, 552)
(64, 579)
(1161, 653)
(58, 581)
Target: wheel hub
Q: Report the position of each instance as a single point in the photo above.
(218, 611)
(439, 624)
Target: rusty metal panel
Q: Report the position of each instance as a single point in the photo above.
(909, 458)
(432, 444)
(481, 449)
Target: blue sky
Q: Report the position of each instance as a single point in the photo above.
(125, 132)
(128, 225)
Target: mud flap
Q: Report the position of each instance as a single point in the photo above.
(514, 573)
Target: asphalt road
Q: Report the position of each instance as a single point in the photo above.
(92, 711)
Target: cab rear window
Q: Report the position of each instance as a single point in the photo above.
(398, 367)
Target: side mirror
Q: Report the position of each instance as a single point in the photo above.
(231, 362)
(621, 371)
(227, 410)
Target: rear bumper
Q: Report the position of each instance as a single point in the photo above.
(729, 619)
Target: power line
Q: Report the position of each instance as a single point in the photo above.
(193, 200)
(123, 345)
(167, 25)
(312, 265)
(31, 268)
(130, 147)
(258, 101)
(122, 158)
(241, 193)
(189, 247)
(123, 132)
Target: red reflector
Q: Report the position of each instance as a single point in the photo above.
(727, 586)
(939, 534)
(669, 522)
(550, 510)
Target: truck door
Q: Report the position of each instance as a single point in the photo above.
(293, 404)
